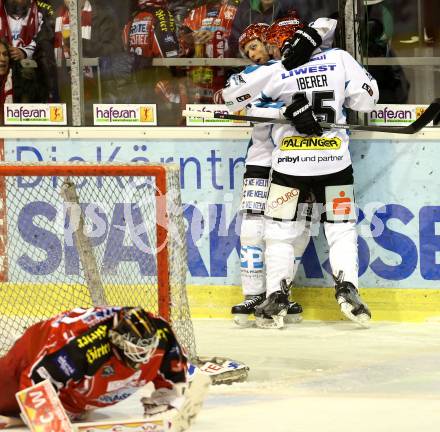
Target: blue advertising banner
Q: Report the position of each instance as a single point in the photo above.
(396, 184)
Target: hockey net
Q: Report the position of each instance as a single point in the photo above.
(79, 234)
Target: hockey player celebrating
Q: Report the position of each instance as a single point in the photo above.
(259, 43)
(255, 187)
(331, 81)
(95, 358)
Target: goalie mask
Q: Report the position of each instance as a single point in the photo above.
(135, 336)
(283, 29)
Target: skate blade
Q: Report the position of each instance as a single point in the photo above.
(362, 319)
(264, 323)
(277, 321)
(293, 318)
(242, 320)
(270, 323)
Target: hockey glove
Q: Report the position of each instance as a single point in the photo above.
(164, 399)
(297, 50)
(302, 117)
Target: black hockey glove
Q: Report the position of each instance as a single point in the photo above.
(297, 50)
(302, 117)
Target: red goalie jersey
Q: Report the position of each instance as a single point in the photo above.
(73, 350)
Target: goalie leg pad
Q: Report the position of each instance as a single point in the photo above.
(194, 398)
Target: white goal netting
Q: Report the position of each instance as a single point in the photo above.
(85, 234)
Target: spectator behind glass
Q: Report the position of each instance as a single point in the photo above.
(205, 33)
(257, 11)
(20, 23)
(431, 15)
(5, 76)
(98, 30)
(44, 55)
(150, 33)
(100, 39)
(391, 80)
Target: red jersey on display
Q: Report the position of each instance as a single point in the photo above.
(151, 33)
(217, 19)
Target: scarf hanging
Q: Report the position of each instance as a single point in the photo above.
(62, 24)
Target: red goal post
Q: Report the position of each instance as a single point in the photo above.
(83, 234)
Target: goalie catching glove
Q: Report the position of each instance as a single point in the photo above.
(164, 399)
(302, 117)
(297, 50)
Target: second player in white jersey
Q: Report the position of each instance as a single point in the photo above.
(259, 42)
(307, 160)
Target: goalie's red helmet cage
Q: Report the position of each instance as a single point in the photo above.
(251, 32)
(283, 29)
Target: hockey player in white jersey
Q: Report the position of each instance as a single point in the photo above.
(246, 87)
(259, 46)
(305, 160)
(255, 189)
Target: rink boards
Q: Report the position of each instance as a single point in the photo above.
(396, 184)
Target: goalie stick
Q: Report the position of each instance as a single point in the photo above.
(431, 113)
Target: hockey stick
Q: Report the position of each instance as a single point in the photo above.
(428, 115)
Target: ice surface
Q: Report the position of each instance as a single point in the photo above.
(320, 377)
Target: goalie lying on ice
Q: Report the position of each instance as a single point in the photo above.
(97, 357)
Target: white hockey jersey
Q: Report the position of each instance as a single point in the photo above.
(261, 146)
(254, 79)
(331, 81)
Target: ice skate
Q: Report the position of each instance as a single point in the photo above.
(293, 313)
(351, 304)
(271, 313)
(242, 311)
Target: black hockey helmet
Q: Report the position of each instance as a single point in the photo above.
(134, 335)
